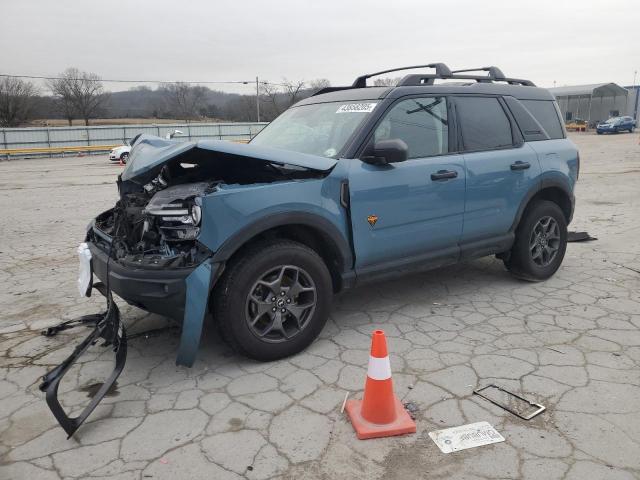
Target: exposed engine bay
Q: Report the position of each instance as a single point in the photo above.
(146, 250)
(155, 225)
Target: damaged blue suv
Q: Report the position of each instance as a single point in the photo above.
(350, 185)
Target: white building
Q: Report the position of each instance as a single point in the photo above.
(594, 103)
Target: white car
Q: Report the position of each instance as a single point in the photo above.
(120, 153)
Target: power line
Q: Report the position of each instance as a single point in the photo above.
(111, 80)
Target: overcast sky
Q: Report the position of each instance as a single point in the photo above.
(569, 42)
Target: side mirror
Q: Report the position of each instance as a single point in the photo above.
(385, 152)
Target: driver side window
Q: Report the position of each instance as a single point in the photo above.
(419, 122)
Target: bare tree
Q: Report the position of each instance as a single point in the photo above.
(386, 81)
(62, 92)
(293, 89)
(280, 96)
(17, 100)
(318, 84)
(271, 93)
(183, 100)
(79, 93)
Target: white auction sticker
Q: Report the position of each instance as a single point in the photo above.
(466, 436)
(356, 108)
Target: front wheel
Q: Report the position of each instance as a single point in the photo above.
(124, 157)
(540, 244)
(273, 300)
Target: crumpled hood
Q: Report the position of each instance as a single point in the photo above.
(150, 153)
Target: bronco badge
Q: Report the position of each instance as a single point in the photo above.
(372, 219)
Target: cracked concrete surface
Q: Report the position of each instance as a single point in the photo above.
(571, 343)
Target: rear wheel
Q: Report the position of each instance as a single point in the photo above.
(274, 300)
(541, 242)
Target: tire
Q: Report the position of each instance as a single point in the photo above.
(540, 244)
(242, 299)
(124, 157)
(599, 133)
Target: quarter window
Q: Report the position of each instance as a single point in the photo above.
(484, 123)
(421, 123)
(545, 112)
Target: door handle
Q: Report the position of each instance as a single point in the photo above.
(520, 165)
(444, 174)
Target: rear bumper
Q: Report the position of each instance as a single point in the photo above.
(158, 291)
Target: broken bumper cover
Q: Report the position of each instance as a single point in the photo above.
(186, 291)
(157, 291)
(181, 293)
(109, 328)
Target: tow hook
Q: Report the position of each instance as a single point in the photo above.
(107, 327)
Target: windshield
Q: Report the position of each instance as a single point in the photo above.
(613, 120)
(319, 129)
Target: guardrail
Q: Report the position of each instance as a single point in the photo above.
(33, 152)
(7, 153)
(49, 141)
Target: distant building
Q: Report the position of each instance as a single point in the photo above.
(633, 105)
(593, 103)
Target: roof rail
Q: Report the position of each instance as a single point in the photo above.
(442, 71)
(494, 74)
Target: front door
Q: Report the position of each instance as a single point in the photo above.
(405, 212)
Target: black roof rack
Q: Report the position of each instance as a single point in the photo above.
(494, 74)
(442, 71)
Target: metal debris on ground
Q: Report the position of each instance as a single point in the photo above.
(579, 237)
(344, 402)
(511, 402)
(412, 408)
(466, 436)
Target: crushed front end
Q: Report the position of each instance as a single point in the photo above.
(146, 249)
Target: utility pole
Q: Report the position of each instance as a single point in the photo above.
(636, 90)
(257, 98)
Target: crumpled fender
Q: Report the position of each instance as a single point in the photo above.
(198, 286)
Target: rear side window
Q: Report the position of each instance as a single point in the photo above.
(484, 123)
(545, 112)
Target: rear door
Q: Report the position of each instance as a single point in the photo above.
(500, 167)
(406, 212)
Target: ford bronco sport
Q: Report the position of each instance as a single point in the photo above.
(349, 185)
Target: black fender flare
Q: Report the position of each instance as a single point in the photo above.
(543, 184)
(317, 222)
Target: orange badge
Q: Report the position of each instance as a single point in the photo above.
(372, 219)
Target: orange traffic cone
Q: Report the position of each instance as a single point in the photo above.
(379, 413)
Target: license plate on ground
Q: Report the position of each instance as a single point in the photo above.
(466, 436)
(84, 270)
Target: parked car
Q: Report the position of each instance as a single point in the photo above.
(351, 185)
(120, 153)
(616, 125)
